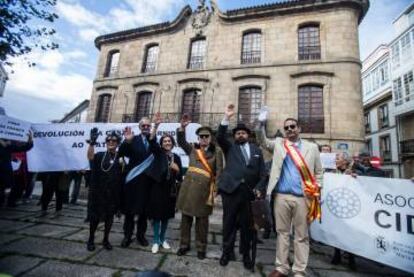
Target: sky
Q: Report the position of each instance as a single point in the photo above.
(63, 78)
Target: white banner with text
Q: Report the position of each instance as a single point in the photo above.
(370, 217)
(63, 147)
(14, 129)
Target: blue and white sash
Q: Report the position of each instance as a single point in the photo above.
(139, 168)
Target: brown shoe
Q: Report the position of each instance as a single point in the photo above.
(276, 273)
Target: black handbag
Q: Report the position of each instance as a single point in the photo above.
(262, 217)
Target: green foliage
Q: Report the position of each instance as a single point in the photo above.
(20, 30)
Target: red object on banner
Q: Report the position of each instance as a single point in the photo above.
(376, 162)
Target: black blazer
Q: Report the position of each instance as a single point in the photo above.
(136, 152)
(236, 171)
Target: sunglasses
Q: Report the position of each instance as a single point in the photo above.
(145, 126)
(204, 136)
(292, 127)
(111, 140)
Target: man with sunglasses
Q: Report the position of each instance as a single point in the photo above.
(296, 174)
(243, 176)
(137, 187)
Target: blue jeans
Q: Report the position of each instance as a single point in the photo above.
(160, 228)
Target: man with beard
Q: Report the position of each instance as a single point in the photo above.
(243, 176)
(297, 175)
(137, 187)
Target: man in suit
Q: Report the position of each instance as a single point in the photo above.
(243, 176)
(136, 192)
(291, 206)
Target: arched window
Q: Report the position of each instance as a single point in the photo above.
(310, 108)
(103, 108)
(250, 102)
(112, 64)
(151, 58)
(251, 47)
(191, 104)
(197, 55)
(309, 47)
(143, 105)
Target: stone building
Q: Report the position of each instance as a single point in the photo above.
(300, 58)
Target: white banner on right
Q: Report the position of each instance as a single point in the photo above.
(370, 217)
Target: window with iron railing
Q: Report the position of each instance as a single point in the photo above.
(310, 107)
(385, 148)
(112, 64)
(151, 59)
(143, 105)
(250, 102)
(383, 118)
(197, 54)
(103, 108)
(309, 47)
(191, 104)
(251, 48)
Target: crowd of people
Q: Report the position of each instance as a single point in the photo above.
(142, 178)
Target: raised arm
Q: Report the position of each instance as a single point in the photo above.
(182, 142)
(269, 144)
(125, 147)
(22, 147)
(318, 167)
(91, 152)
(153, 145)
(223, 142)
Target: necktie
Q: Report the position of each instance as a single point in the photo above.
(244, 152)
(145, 143)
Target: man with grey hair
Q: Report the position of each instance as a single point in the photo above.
(136, 190)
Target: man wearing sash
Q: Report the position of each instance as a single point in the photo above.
(198, 189)
(243, 176)
(297, 175)
(137, 187)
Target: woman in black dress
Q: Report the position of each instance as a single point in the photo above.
(164, 191)
(104, 190)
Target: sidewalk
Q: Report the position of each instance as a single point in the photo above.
(31, 245)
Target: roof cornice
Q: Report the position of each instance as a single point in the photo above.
(145, 30)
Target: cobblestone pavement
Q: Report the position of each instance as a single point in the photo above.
(32, 245)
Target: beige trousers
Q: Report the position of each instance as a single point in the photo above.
(291, 211)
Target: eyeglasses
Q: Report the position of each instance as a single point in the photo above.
(145, 126)
(287, 127)
(204, 136)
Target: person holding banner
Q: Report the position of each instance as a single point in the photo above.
(104, 190)
(243, 179)
(163, 194)
(8, 147)
(297, 175)
(138, 182)
(197, 192)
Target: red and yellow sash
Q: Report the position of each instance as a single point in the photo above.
(203, 160)
(311, 188)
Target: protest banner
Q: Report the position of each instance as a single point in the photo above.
(14, 129)
(63, 147)
(370, 217)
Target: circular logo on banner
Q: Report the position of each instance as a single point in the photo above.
(343, 203)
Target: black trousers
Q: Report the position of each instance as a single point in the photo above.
(129, 225)
(237, 213)
(6, 180)
(50, 187)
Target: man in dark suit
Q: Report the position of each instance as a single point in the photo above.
(136, 191)
(243, 176)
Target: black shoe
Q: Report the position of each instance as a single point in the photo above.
(143, 241)
(183, 251)
(126, 242)
(107, 245)
(248, 263)
(224, 260)
(201, 255)
(90, 246)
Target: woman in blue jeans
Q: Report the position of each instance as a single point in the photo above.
(164, 191)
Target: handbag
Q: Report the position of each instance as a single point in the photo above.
(262, 217)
